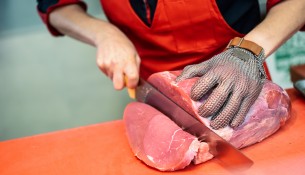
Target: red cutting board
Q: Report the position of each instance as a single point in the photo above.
(103, 149)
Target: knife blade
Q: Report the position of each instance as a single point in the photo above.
(228, 156)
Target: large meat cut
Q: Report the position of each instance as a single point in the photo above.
(158, 141)
(161, 144)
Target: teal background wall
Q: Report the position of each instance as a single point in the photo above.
(289, 54)
(49, 84)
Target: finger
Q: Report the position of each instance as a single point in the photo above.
(228, 111)
(241, 115)
(101, 66)
(203, 85)
(131, 71)
(193, 71)
(105, 68)
(138, 61)
(118, 79)
(215, 100)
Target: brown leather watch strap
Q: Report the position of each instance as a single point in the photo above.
(245, 44)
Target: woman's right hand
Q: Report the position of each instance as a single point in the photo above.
(116, 55)
(118, 58)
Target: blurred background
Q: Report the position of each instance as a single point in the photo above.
(49, 84)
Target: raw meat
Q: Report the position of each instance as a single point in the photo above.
(160, 143)
(267, 114)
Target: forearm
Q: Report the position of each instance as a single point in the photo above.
(73, 21)
(280, 24)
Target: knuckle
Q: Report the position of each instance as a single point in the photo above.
(207, 109)
(219, 122)
(223, 90)
(132, 73)
(195, 94)
(188, 67)
(138, 61)
(242, 90)
(104, 63)
(197, 89)
(236, 100)
(188, 70)
(237, 122)
(100, 63)
(132, 81)
(133, 76)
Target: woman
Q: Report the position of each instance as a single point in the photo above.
(147, 36)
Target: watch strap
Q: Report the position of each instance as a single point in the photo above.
(246, 44)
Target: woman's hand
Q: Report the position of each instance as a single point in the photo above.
(116, 55)
(236, 80)
(118, 58)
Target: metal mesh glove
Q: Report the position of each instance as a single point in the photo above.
(237, 77)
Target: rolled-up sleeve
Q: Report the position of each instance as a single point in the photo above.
(45, 7)
(271, 3)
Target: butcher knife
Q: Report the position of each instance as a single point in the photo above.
(228, 156)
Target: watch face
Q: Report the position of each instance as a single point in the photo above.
(300, 86)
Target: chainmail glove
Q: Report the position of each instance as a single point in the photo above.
(236, 77)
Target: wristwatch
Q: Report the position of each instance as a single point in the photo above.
(257, 51)
(246, 44)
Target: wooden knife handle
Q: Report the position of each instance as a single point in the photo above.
(131, 92)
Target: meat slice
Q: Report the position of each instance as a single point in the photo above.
(161, 144)
(158, 141)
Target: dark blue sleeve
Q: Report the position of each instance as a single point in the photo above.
(43, 5)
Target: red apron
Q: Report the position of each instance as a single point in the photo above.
(182, 32)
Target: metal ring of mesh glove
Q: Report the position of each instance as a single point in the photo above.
(236, 77)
